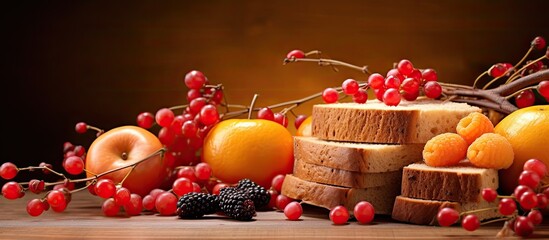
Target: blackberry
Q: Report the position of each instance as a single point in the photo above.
(258, 194)
(196, 205)
(236, 204)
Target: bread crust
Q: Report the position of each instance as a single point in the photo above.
(367, 158)
(459, 184)
(424, 212)
(322, 174)
(328, 196)
(410, 122)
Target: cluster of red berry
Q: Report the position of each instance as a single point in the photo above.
(403, 81)
(521, 210)
(524, 97)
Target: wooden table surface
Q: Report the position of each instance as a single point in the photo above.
(83, 219)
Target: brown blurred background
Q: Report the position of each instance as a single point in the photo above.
(103, 62)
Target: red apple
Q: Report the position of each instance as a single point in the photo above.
(123, 146)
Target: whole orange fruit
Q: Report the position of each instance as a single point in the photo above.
(527, 130)
(305, 127)
(248, 148)
(123, 146)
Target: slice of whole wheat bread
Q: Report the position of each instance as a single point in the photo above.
(374, 122)
(368, 158)
(328, 196)
(321, 174)
(462, 183)
(424, 212)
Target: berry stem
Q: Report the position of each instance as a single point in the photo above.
(32, 168)
(496, 220)
(250, 109)
(513, 77)
(329, 62)
(478, 210)
(524, 57)
(519, 91)
(478, 78)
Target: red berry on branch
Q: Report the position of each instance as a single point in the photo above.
(56, 198)
(43, 164)
(74, 165)
(203, 171)
(379, 93)
(542, 200)
(392, 82)
(135, 206)
(81, 127)
(265, 113)
(349, 86)
(507, 206)
(525, 98)
(528, 200)
(197, 104)
(164, 117)
(35, 207)
(299, 120)
(148, 203)
(193, 94)
(281, 119)
(538, 43)
(543, 89)
(523, 226)
(36, 186)
(145, 120)
(166, 204)
(497, 70)
(376, 81)
(364, 212)
(182, 186)
(529, 178)
(110, 208)
(12, 190)
(122, 196)
(416, 74)
(535, 217)
(395, 73)
(209, 115)
(67, 146)
(429, 75)
(410, 85)
(330, 95)
(489, 194)
(272, 202)
(189, 129)
(447, 216)
(391, 97)
(104, 188)
(405, 67)
(195, 79)
(166, 136)
(361, 96)
(8, 170)
(470, 222)
(521, 189)
(295, 54)
(432, 89)
(410, 96)
(277, 182)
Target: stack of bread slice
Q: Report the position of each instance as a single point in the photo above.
(426, 190)
(357, 151)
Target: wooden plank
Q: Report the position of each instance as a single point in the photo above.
(83, 219)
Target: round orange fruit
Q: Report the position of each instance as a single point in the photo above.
(248, 148)
(305, 129)
(527, 130)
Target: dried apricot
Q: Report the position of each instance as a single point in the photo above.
(446, 149)
(491, 150)
(473, 126)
